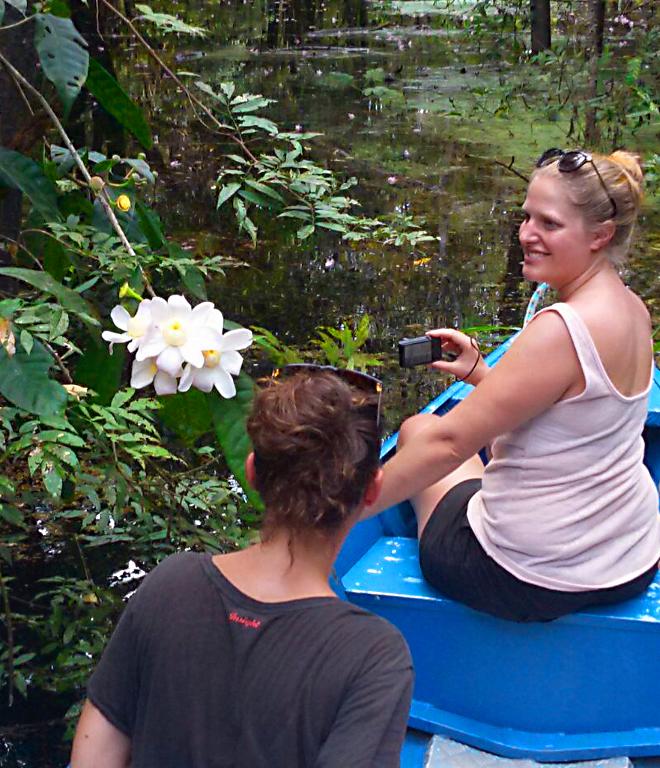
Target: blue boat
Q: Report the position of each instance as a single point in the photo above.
(584, 687)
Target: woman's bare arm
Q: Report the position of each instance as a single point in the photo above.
(536, 371)
(97, 743)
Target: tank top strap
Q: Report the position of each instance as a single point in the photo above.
(585, 348)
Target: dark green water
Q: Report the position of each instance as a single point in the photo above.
(409, 156)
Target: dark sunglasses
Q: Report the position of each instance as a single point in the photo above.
(362, 381)
(567, 162)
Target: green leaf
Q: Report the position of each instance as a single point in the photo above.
(24, 381)
(20, 5)
(67, 297)
(247, 103)
(100, 371)
(194, 281)
(265, 190)
(229, 420)
(187, 414)
(226, 192)
(150, 226)
(63, 55)
(304, 232)
(19, 172)
(167, 23)
(53, 482)
(12, 515)
(6, 486)
(112, 97)
(63, 438)
(258, 122)
(27, 341)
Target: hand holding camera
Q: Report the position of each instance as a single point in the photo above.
(444, 349)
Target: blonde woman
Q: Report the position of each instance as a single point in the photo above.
(565, 515)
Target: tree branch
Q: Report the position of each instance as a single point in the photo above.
(102, 195)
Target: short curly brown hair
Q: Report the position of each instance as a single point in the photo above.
(316, 447)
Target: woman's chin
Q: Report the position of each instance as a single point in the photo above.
(532, 272)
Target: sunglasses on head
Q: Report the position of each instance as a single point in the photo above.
(567, 162)
(370, 385)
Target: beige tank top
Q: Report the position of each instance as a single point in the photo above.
(566, 502)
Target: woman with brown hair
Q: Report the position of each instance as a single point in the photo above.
(249, 659)
(565, 515)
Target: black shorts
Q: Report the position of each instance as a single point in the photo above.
(454, 562)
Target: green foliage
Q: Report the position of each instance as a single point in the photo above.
(112, 97)
(168, 23)
(63, 56)
(278, 353)
(229, 419)
(25, 381)
(20, 172)
(341, 346)
(281, 180)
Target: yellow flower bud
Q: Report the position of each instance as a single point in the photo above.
(127, 292)
(96, 183)
(124, 203)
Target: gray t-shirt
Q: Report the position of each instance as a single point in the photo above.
(201, 676)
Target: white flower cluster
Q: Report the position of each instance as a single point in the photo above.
(178, 347)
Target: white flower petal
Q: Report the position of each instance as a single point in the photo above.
(144, 309)
(159, 309)
(204, 378)
(231, 361)
(115, 338)
(215, 320)
(186, 379)
(170, 361)
(206, 338)
(201, 312)
(179, 304)
(223, 382)
(142, 373)
(191, 352)
(164, 384)
(238, 339)
(120, 317)
(151, 345)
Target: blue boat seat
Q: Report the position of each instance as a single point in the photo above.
(582, 687)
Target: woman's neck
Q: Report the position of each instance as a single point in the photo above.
(598, 271)
(282, 567)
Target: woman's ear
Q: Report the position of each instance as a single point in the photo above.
(250, 470)
(603, 233)
(373, 489)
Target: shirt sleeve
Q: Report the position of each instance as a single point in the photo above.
(370, 725)
(113, 687)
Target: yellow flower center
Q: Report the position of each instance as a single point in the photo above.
(136, 327)
(174, 334)
(153, 369)
(211, 358)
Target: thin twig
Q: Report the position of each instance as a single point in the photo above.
(20, 245)
(194, 101)
(508, 166)
(19, 88)
(58, 360)
(17, 23)
(102, 196)
(10, 638)
(83, 560)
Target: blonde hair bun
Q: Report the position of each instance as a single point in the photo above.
(631, 166)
